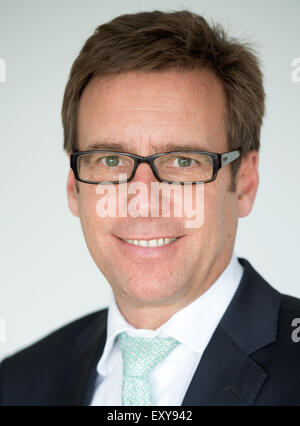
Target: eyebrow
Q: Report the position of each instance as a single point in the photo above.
(166, 147)
(107, 146)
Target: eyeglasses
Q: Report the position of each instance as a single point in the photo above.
(188, 167)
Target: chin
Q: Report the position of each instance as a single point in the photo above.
(150, 291)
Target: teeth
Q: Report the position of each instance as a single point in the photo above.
(151, 243)
(160, 242)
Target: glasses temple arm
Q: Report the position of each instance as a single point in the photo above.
(228, 157)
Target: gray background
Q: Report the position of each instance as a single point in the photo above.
(47, 277)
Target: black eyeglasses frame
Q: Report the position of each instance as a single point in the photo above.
(219, 160)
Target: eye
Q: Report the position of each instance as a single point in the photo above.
(184, 161)
(111, 160)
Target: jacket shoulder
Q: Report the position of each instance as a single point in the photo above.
(288, 317)
(60, 337)
(45, 354)
(290, 303)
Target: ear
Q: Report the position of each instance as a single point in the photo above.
(72, 193)
(247, 183)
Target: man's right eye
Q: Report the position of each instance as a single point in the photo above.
(111, 160)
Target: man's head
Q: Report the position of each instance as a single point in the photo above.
(149, 80)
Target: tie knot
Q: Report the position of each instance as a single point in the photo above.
(141, 354)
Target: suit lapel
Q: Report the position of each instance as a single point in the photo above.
(226, 374)
(75, 379)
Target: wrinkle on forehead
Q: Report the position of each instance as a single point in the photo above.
(130, 90)
(132, 106)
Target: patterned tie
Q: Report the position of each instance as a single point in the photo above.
(140, 355)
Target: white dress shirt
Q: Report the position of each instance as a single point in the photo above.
(193, 326)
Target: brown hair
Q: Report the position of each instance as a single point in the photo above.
(182, 40)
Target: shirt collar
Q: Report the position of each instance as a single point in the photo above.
(206, 312)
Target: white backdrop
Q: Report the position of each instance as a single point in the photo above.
(47, 277)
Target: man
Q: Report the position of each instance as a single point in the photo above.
(189, 323)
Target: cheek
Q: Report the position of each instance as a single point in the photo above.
(87, 207)
(225, 217)
(213, 207)
(205, 239)
(219, 216)
(94, 227)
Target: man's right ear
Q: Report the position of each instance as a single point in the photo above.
(72, 193)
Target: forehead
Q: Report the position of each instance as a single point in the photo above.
(145, 108)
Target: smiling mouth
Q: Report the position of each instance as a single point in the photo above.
(157, 242)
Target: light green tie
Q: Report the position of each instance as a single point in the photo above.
(140, 355)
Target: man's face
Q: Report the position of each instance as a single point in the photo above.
(143, 112)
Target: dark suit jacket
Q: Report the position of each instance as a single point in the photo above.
(251, 358)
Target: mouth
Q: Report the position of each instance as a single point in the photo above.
(151, 248)
(155, 242)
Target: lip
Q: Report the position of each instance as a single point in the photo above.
(148, 252)
(149, 238)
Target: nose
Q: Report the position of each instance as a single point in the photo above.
(141, 182)
(144, 174)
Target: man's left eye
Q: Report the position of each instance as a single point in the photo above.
(184, 161)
